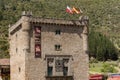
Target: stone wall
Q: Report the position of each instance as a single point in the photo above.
(19, 45)
(71, 43)
(17, 56)
(24, 65)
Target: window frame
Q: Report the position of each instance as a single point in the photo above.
(58, 32)
(58, 47)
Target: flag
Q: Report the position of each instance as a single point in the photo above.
(37, 48)
(81, 11)
(69, 10)
(37, 30)
(76, 10)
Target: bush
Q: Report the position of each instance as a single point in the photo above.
(93, 60)
(107, 68)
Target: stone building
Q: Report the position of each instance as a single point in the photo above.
(48, 49)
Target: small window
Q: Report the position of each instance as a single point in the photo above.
(19, 69)
(57, 32)
(16, 50)
(57, 47)
(16, 35)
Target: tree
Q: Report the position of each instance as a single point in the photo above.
(104, 15)
(101, 47)
(2, 5)
(1, 16)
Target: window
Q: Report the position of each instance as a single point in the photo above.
(57, 64)
(65, 71)
(16, 50)
(57, 47)
(16, 44)
(19, 69)
(50, 71)
(50, 66)
(57, 32)
(16, 35)
(65, 67)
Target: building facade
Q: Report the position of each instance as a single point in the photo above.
(49, 49)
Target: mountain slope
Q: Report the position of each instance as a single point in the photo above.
(104, 15)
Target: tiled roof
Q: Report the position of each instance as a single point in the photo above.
(56, 21)
(5, 62)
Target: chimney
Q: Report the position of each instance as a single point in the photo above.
(84, 19)
(27, 13)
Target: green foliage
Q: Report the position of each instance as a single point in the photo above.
(2, 5)
(96, 67)
(101, 47)
(1, 16)
(103, 67)
(107, 68)
(104, 15)
(93, 60)
(4, 47)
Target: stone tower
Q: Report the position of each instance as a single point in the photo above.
(49, 49)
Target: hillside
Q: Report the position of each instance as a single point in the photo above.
(104, 15)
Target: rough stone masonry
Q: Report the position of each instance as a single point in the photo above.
(49, 49)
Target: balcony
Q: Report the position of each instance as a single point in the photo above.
(59, 77)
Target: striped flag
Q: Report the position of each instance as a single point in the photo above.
(76, 10)
(69, 10)
(37, 29)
